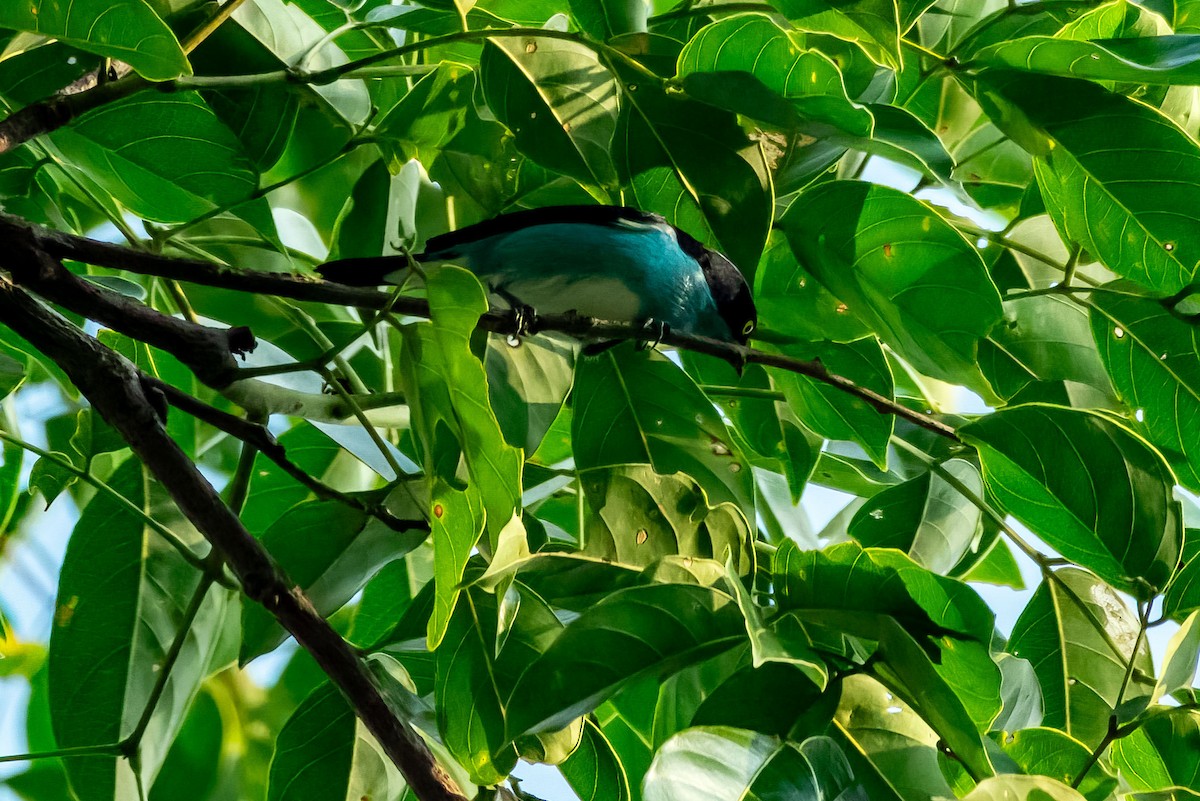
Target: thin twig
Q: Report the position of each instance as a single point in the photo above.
(262, 440)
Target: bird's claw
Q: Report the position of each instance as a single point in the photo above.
(659, 329)
(524, 320)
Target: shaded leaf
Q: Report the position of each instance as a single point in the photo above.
(638, 407)
(167, 158)
(324, 752)
(651, 630)
(330, 551)
(559, 101)
(693, 164)
(122, 599)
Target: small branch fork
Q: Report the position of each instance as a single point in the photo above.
(207, 350)
(130, 403)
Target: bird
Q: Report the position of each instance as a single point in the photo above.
(613, 263)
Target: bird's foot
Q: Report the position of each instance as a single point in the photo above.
(525, 321)
(659, 330)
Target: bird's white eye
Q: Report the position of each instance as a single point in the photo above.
(748, 328)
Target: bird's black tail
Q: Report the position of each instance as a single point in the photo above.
(364, 271)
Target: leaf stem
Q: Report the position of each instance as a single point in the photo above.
(83, 475)
(112, 749)
(1116, 731)
(752, 393)
(206, 29)
(130, 744)
(1044, 562)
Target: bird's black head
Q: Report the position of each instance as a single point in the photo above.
(728, 287)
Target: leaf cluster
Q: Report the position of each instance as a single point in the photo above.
(973, 223)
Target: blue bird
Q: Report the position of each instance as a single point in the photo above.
(609, 262)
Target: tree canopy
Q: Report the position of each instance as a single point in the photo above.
(972, 229)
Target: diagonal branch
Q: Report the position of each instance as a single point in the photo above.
(125, 399)
(68, 246)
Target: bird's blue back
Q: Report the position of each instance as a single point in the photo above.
(629, 270)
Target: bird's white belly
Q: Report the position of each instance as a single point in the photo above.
(596, 296)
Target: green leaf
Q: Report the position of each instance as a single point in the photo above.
(892, 750)
(906, 664)
(693, 163)
(1183, 593)
(1154, 360)
(808, 79)
(324, 752)
(651, 630)
(854, 589)
(721, 762)
(1162, 755)
(470, 704)
(291, 29)
(1161, 60)
(636, 517)
(750, 65)
(594, 771)
(1050, 752)
(129, 31)
(457, 524)
(832, 413)
(781, 640)
(873, 25)
(12, 375)
(604, 19)
(1042, 338)
(559, 101)
(1179, 663)
(192, 766)
(272, 491)
(571, 581)
(927, 295)
(637, 407)
(1021, 694)
(527, 385)
(1090, 488)
(776, 698)
(50, 477)
(791, 301)
(262, 117)
(1079, 637)
(121, 602)
(166, 158)
(428, 116)
(448, 391)
(929, 519)
(1145, 191)
(329, 550)
(1022, 788)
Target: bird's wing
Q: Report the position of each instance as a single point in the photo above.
(445, 245)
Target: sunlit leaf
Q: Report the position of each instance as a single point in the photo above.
(1078, 635)
(129, 31)
(1074, 504)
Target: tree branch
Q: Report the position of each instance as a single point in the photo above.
(68, 246)
(261, 439)
(123, 397)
